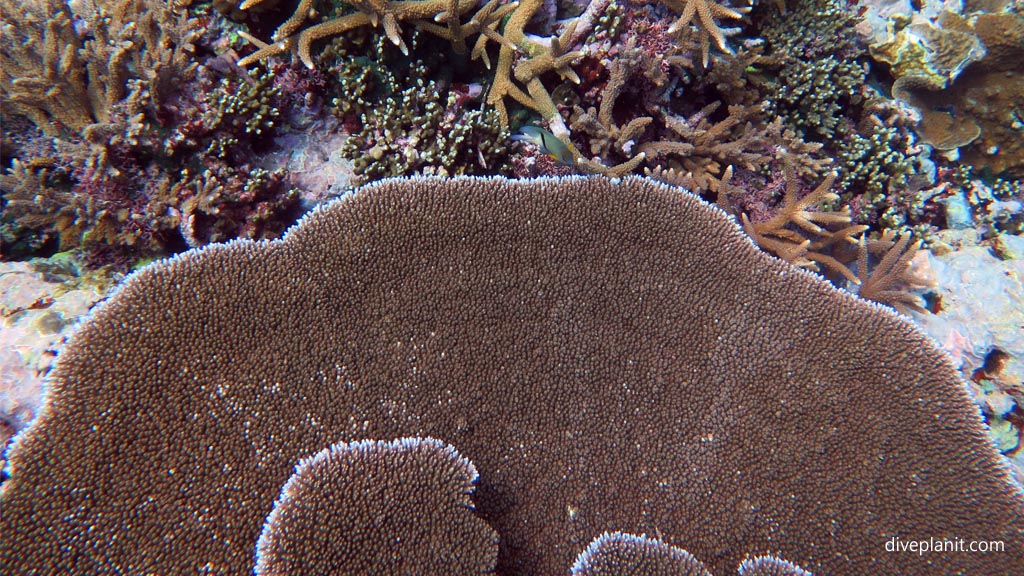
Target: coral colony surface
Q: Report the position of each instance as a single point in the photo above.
(512, 286)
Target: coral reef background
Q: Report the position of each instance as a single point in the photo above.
(879, 143)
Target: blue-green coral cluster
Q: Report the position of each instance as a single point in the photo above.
(820, 86)
(427, 130)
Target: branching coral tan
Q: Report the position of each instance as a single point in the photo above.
(893, 279)
(703, 147)
(605, 135)
(708, 13)
(809, 245)
(519, 59)
(127, 53)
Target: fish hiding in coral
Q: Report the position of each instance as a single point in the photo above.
(548, 143)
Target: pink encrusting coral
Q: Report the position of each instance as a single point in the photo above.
(610, 355)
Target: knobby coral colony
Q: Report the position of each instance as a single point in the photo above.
(453, 376)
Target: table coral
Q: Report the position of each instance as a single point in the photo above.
(345, 508)
(611, 355)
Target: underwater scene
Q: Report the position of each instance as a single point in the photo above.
(589, 287)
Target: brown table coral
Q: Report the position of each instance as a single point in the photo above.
(610, 356)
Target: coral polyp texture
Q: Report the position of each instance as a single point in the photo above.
(618, 553)
(370, 507)
(770, 566)
(610, 355)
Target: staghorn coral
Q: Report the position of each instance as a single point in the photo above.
(805, 230)
(706, 12)
(399, 507)
(733, 76)
(539, 58)
(796, 234)
(172, 165)
(107, 178)
(518, 322)
(174, 187)
(791, 151)
(80, 208)
(606, 137)
(38, 210)
(41, 52)
(702, 148)
(892, 279)
(689, 122)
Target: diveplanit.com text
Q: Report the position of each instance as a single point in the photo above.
(940, 545)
